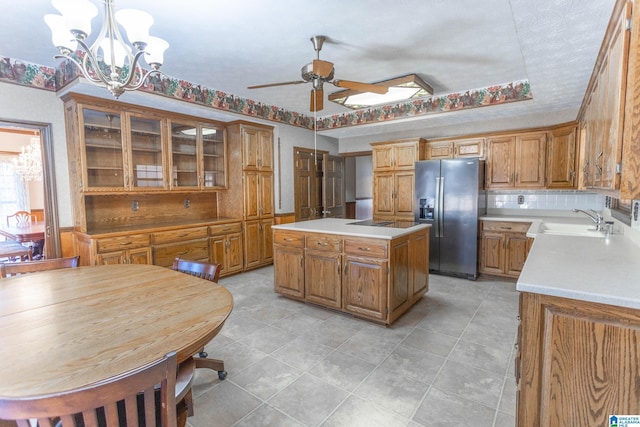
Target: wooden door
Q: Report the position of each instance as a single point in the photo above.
(266, 241)
(530, 160)
(252, 196)
(492, 253)
(265, 143)
(405, 155)
(517, 249)
(265, 194)
(109, 258)
(252, 244)
(382, 158)
(323, 275)
(500, 162)
(233, 253)
(401, 292)
(250, 149)
(217, 252)
(139, 256)
(561, 158)
(383, 188)
(440, 150)
(404, 193)
(307, 184)
(333, 187)
(288, 270)
(419, 264)
(365, 284)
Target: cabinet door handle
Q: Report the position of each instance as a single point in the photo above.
(183, 253)
(125, 243)
(338, 268)
(364, 249)
(505, 228)
(183, 235)
(288, 239)
(301, 260)
(322, 243)
(596, 162)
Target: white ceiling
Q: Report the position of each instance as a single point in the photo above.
(455, 45)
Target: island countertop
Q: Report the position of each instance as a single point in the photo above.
(347, 228)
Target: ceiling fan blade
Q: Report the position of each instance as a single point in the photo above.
(322, 68)
(316, 102)
(361, 87)
(276, 84)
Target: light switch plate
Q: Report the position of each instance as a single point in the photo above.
(635, 214)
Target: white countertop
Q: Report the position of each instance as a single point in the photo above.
(342, 226)
(602, 270)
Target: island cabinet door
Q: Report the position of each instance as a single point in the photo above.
(400, 277)
(288, 270)
(323, 278)
(364, 287)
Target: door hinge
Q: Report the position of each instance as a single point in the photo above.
(386, 309)
(628, 26)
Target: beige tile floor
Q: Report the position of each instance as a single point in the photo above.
(448, 361)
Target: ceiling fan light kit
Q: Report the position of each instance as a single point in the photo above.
(319, 72)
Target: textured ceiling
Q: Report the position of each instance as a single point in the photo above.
(455, 45)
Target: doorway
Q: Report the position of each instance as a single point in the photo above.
(319, 190)
(43, 202)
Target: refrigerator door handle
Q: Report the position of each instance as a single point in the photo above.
(437, 210)
(441, 208)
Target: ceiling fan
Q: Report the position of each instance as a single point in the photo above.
(319, 72)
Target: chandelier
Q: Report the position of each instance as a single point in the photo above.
(29, 162)
(109, 61)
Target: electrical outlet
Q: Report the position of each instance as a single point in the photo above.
(521, 199)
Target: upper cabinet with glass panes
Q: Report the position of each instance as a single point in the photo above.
(197, 156)
(123, 148)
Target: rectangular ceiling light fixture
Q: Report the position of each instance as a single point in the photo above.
(400, 89)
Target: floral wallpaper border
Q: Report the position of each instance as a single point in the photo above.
(42, 77)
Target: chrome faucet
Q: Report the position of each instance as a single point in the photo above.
(595, 217)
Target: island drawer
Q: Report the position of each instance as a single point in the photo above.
(180, 235)
(512, 227)
(366, 247)
(111, 244)
(216, 230)
(288, 239)
(324, 243)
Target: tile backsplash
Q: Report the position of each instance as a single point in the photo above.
(545, 199)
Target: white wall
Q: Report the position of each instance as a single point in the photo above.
(19, 103)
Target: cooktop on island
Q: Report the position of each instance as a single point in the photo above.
(384, 223)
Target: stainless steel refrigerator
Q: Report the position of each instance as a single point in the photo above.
(450, 196)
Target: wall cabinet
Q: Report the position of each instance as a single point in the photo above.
(393, 178)
(602, 116)
(562, 158)
(516, 161)
(226, 247)
(376, 279)
(504, 247)
(455, 149)
(577, 362)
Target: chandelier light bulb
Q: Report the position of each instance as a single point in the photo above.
(77, 14)
(60, 34)
(137, 24)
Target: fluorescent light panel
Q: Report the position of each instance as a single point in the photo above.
(400, 89)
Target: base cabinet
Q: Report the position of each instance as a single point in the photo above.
(225, 247)
(258, 243)
(577, 362)
(376, 279)
(504, 247)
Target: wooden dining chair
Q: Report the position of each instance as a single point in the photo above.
(21, 219)
(17, 268)
(211, 272)
(126, 397)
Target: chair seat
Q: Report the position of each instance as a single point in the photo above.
(11, 249)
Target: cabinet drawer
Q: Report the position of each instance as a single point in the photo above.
(289, 239)
(180, 235)
(123, 242)
(216, 230)
(366, 247)
(324, 243)
(195, 250)
(513, 227)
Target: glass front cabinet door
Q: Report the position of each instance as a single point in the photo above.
(197, 156)
(147, 160)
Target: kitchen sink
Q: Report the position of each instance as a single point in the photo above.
(565, 229)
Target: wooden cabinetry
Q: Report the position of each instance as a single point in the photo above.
(516, 161)
(393, 178)
(134, 248)
(603, 111)
(562, 158)
(455, 148)
(225, 247)
(189, 243)
(197, 156)
(251, 195)
(377, 279)
(577, 362)
(504, 247)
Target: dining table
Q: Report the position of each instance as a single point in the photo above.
(32, 232)
(68, 328)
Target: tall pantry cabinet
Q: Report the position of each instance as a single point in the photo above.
(251, 194)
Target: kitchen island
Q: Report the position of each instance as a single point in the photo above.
(579, 336)
(376, 272)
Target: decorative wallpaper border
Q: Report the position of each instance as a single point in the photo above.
(32, 75)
